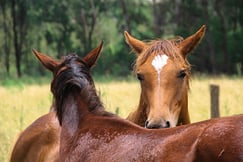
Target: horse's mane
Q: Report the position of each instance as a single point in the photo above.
(73, 75)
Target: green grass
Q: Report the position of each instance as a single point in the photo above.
(23, 101)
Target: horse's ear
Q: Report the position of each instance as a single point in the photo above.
(47, 61)
(134, 43)
(191, 42)
(91, 57)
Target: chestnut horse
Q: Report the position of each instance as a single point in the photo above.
(164, 74)
(89, 133)
(39, 142)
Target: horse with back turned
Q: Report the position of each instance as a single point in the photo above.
(40, 141)
(164, 73)
(89, 133)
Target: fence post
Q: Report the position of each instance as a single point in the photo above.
(214, 98)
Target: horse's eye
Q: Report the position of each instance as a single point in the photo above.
(182, 74)
(140, 77)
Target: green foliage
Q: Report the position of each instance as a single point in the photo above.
(59, 27)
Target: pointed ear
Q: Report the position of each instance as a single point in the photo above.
(191, 42)
(47, 61)
(134, 43)
(91, 57)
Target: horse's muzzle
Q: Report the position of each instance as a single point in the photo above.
(156, 125)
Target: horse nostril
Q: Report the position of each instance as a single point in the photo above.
(167, 124)
(146, 124)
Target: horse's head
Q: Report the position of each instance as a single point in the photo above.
(69, 74)
(164, 73)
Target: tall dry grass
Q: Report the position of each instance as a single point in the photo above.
(21, 105)
(230, 97)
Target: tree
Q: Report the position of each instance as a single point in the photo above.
(59, 27)
(6, 34)
(20, 27)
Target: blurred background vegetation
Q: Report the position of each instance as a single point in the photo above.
(58, 27)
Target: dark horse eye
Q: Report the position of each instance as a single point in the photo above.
(140, 77)
(182, 74)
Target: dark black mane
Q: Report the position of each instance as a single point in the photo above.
(73, 75)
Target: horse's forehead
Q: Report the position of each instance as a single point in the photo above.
(153, 60)
(159, 61)
(159, 54)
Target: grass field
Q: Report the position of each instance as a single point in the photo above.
(21, 104)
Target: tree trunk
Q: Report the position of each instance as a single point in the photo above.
(156, 19)
(125, 16)
(7, 39)
(15, 35)
(178, 14)
(208, 38)
(87, 28)
(224, 42)
(92, 25)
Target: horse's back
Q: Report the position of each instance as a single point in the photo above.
(222, 140)
(122, 141)
(39, 141)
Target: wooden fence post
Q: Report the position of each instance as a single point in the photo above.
(214, 98)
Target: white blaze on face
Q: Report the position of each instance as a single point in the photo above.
(159, 62)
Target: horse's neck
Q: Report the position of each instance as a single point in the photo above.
(71, 115)
(53, 107)
(139, 116)
(76, 110)
(184, 117)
